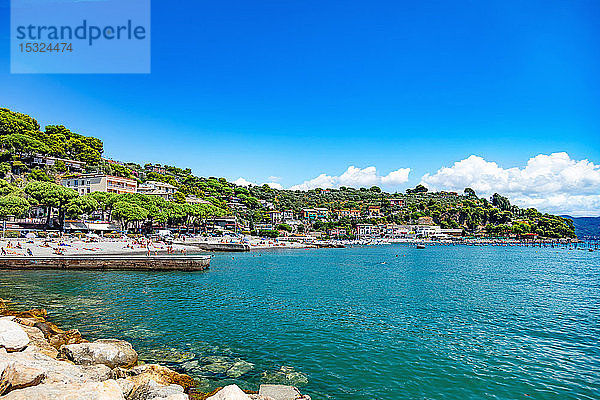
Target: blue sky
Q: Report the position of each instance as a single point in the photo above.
(285, 91)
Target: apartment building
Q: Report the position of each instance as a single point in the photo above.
(397, 202)
(276, 217)
(156, 188)
(88, 183)
(350, 213)
(374, 211)
(315, 214)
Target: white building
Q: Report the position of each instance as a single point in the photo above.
(367, 231)
(88, 183)
(276, 217)
(156, 188)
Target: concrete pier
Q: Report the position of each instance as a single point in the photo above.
(129, 262)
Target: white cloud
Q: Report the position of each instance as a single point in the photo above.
(552, 183)
(322, 181)
(274, 178)
(274, 185)
(355, 177)
(243, 182)
(396, 177)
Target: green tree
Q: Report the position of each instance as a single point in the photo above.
(13, 122)
(51, 196)
(78, 206)
(128, 212)
(179, 197)
(270, 233)
(105, 201)
(6, 188)
(284, 227)
(470, 192)
(501, 202)
(5, 168)
(13, 205)
(39, 174)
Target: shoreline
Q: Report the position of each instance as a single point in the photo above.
(23, 248)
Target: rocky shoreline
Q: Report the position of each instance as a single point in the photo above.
(38, 360)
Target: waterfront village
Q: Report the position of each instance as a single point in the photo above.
(55, 181)
(286, 223)
(306, 224)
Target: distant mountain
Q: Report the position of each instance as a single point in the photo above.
(586, 227)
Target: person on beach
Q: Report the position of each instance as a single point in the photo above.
(29, 252)
(3, 251)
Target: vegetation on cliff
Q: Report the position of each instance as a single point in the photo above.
(21, 135)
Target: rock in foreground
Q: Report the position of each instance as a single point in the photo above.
(231, 392)
(107, 390)
(267, 392)
(110, 352)
(12, 336)
(281, 392)
(153, 391)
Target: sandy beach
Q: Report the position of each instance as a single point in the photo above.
(74, 247)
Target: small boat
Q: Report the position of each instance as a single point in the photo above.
(420, 246)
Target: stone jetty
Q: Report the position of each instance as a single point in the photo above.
(126, 262)
(38, 360)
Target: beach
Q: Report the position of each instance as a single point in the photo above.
(78, 247)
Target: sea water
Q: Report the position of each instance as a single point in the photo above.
(381, 322)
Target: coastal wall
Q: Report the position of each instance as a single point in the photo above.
(154, 263)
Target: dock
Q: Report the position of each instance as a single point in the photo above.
(109, 262)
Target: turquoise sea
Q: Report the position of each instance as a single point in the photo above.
(387, 322)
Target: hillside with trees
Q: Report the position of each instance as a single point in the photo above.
(26, 184)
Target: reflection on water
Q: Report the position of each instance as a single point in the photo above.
(361, 323)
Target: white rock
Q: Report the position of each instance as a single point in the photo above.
(17, 376)
(279, 392)
(12, 336)
(110, 352)
(98, 372)
(126, 386)
(55, 371)
(37, 342)
(153, 391)
(107, 390)
(231, 392)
